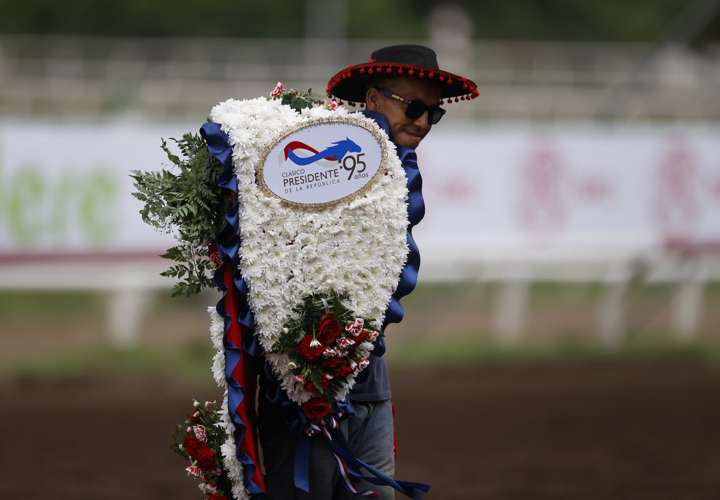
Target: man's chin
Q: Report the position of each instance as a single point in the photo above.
(409, 141)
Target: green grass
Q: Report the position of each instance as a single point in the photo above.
(476, 349)
(191, 362)
(427, 340)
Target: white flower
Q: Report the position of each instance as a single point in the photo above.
(356, 248)
(315, 343)
(207, 488)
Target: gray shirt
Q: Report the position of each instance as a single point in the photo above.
(373, 383)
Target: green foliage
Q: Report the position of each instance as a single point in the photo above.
(639, 20)
(187, 204)
(297, 102)
(228, 18)
(300, 100)
(579, 20)
(185, 201)
(306, 318)
(400, 19)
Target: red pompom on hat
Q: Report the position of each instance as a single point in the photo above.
(414, 61)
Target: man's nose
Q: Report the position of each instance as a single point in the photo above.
(422, 120)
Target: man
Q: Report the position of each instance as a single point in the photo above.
(402, 88)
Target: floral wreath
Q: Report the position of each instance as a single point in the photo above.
(315, 329)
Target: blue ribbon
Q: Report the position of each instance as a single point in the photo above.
(228, 244)
(355, 465)
(339, 446)
(298, 424)
(416, 211)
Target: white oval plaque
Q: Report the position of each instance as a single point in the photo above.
(322, 163)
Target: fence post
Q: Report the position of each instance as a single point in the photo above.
(126, 309)
(611, 310)
(511, 310)
(688, 300)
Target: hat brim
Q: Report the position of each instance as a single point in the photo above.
(351, 83)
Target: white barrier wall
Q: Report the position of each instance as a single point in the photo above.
(65, 186)
(558, 191)
(491, 191)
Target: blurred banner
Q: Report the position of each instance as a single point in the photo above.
(569, 191)
(492, 191)
(65, 187)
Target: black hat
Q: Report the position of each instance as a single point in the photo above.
(415, 61)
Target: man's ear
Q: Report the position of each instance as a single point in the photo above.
(372, 97)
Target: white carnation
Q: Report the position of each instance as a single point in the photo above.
(357, 248)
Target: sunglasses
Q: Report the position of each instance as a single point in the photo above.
(414, 109)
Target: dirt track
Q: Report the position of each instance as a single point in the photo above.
(569, 431)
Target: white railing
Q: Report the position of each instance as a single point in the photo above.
(129, 281)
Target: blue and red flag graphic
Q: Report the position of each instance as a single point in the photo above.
(335, 152)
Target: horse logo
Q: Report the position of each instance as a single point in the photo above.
(335, 152)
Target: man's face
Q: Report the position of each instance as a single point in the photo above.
(405, 131)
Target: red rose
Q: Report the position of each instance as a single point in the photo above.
(337, 367)
(329, 329)
(362, 337)
(316, 409)
(217, 496)
(206, 458)
(307, 351)
(332, 364)
(310, 386)
(191, 444)
(214, 254)
(343, 371)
